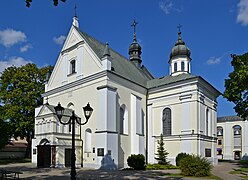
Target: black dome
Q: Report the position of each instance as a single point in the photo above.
(180, 48)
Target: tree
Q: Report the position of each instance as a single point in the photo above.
(55, 2)
(5, 132)
(20, 93)
(162, 153)
(236, 86)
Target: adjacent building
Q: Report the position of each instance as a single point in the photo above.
(131, 107)
(232, 133)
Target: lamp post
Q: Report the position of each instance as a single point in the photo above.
(73, 119)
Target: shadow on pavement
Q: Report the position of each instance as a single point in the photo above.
(34, 173)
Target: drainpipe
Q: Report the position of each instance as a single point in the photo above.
(146, 153)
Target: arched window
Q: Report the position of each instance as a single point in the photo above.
(175, 67)
(167, 122)
(207, 123)
(182, 66)
(88, 134)
(236, 130)
(219, 131)
(121, 120)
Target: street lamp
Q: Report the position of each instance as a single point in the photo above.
(59, 110)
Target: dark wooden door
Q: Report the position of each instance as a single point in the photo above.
(44, 156)
(68, 153)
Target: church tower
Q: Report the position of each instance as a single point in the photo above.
(179, 57)
(135, 49)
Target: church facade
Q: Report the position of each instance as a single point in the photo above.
(131, 108)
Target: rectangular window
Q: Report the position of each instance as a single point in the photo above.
(219, 142)
(100, 151)
(72, 67)
(207, 152)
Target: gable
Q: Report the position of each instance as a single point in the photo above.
(44, 110)
(76, 60)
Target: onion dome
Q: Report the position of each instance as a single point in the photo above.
(180, 48)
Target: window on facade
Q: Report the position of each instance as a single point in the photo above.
(207, 117)
(72, 66)
(182, 66)
(88, 134)
(219, 142)
(175, 67)
(166, 122)
(219, 131)
(236, 130)
(121, 120)
(207, 152)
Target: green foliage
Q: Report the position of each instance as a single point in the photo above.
(193, 165)
(236, 86)
(20, 93)
(179, 157)
(161, 152)
(55, 2)
(5, 135)
(137, 162)
(160, 166)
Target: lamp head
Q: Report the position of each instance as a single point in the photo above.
(59, 110)
(87, 111)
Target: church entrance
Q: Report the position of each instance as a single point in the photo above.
(44, 156)
(68, 153)
(237, 155)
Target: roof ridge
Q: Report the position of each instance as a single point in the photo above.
(84, 33)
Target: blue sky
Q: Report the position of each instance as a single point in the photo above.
(211, 29)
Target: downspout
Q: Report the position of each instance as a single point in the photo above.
(146, 153)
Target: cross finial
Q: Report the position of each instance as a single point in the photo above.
(75, 10)
(134, 28)
(179, 28)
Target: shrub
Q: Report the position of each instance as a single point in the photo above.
(160, 167)
(137, 162)
(243, 163)
(179, 157)
(193, 165)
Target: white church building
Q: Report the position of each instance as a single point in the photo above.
(131, 108)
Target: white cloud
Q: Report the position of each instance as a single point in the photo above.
(16, 61)
(59, 40)
(167, 6)
(10, 37)
(213, 60)
(26, 47)
(243, 12)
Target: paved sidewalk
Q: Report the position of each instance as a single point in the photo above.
(222, 170)
(31, 172)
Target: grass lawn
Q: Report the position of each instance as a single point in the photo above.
(239, 171)
(10, 161)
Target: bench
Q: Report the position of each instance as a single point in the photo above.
(6, 174)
